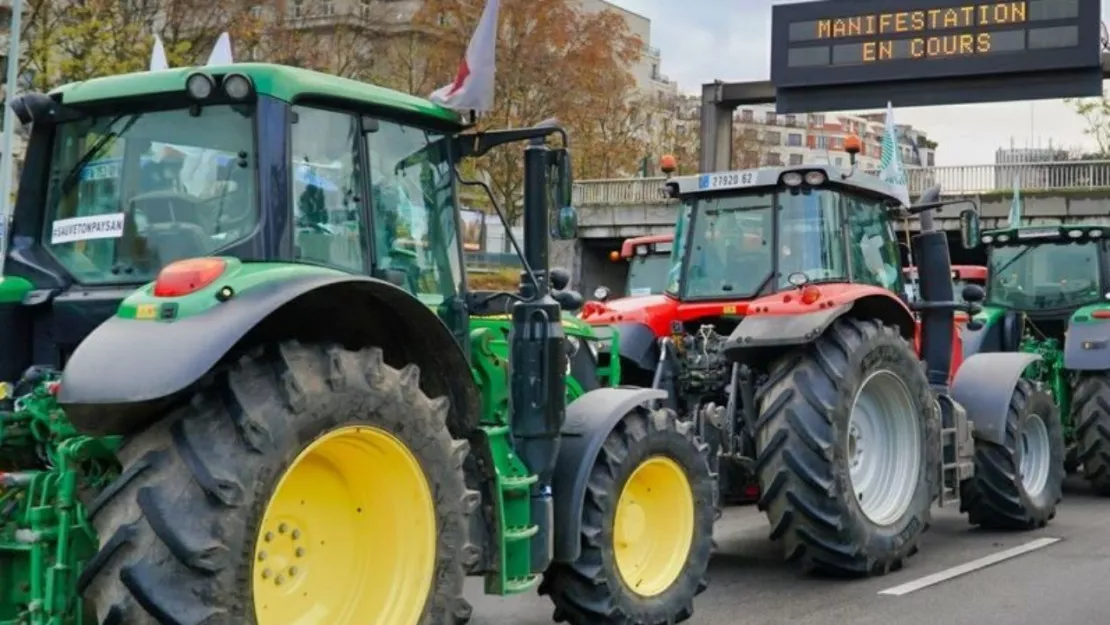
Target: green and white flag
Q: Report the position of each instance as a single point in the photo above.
(1015, 203)
(891, 170)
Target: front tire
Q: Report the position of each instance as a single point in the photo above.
(835, 508)
(1092, 427)
(1017, 485)
(647, 528)
(304, 481)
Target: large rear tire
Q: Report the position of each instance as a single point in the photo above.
(647, 528)
(1092, 426)
(1017, 485)
(848, 441)
(304, 481)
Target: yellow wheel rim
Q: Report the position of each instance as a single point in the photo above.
(654, 526)
(349, 536)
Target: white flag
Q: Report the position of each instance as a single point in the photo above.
(472, 89)
(1015, 204)
(891, 170)
(158, 60)
(221, 52)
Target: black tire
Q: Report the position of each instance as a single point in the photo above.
(995, 497)
(1091, 415)
(178, 527)
(802, 461)
(590, 591)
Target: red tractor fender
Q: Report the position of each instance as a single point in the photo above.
(797, 317)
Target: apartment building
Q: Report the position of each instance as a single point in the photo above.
(772, 139)
(649, 78)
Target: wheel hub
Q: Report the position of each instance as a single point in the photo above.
(348, 536)
(1036, 455)
(855, 445)
(653, 526)
(883, 447)
(284, 557)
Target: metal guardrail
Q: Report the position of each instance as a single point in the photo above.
(956, 180)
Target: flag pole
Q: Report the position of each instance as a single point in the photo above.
(6, 159)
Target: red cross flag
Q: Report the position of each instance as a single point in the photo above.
(472, 89)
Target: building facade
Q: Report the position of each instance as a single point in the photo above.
(767, 138)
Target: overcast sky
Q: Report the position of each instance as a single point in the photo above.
(730, 40)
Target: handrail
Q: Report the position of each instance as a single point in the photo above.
(958, 179)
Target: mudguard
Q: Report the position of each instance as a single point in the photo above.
(781, 330)
(983, 340)
(116, 377)
(638, 344)
(984, 385)
(1087, 346)
(589, 420)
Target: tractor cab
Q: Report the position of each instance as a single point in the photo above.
(125, 175)
(648, 259)
(746, 235)
(962, 276)
(1040, 280)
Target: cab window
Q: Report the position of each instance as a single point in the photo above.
(329, 224)
(811, 241)
(876, 258)
(413, 204)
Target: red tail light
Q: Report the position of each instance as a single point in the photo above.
(188, 276)
(1101, 314)
(810, 294)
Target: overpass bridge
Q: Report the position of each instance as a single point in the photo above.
(1052, 192)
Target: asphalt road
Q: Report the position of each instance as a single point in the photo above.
(1064, 578)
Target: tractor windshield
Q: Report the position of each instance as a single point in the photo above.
(729, 249)
(821, 233)
(130, 193)
(1044, 276)
(648, 274)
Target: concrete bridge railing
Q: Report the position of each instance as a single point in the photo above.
(955, 180)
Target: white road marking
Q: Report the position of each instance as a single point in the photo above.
(968, 567)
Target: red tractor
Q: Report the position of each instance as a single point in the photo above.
(801, 361)
(648, 260)
(962, 275)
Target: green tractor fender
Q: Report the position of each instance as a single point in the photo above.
(1087, 343)
(123, 375)
(589, 420)
(984, 385)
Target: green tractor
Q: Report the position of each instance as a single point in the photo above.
(249, 398)
(1047, 294)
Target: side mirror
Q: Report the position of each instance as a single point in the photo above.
(969, 228)
(564, 225)
(30, 107)
(559, 278)
(973, 294)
